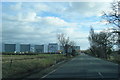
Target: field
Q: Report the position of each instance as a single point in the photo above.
(19, 65)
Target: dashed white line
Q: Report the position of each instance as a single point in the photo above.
(100, 75)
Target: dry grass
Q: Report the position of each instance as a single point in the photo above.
(22, 64)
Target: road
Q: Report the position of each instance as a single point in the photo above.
(85, 67)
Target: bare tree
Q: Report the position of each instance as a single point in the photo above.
(72, 46)
(100, 44)
(64, 42)
(113, 17)
(92, 39)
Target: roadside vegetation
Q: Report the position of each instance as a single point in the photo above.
(102, 44)
(16, 66)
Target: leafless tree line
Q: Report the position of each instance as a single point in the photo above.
(66, 44)
(101, 44)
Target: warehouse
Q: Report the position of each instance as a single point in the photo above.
(9, 48)
(24, 47)
(77, 48)
(39, 48)
(53, 47)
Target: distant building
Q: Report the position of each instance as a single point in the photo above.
(61, 48)
(32, 48)
(53, 47)
(39, 48)
(17, 47)
(45, 48)
(24, 47)
(3, 47)
(77, 48)
(9, 47)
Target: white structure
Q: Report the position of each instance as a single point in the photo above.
(53, 47)
(0, 46)
(17, 47)
(3, 46)
(45, 48)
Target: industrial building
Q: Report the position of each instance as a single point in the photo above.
(9, 48)
(53, 47)
(39, 48)
(24, 47)
(62, 49)
(77, 48)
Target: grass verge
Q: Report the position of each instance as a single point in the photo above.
(22, 64)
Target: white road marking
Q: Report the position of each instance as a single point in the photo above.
(49, 73)
(53, 70)
(100, 74)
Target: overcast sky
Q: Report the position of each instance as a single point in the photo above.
(40, 22)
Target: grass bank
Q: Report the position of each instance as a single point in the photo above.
(14, 66)
(113, 57)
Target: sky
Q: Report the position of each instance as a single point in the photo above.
(40, 22)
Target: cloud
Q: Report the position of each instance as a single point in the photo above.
(26, 22)
(33, 26)
(16, 7)
(54, 21)
(30, 16)
(40, 7)
(88, 8)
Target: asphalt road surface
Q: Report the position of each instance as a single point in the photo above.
(85, 67)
